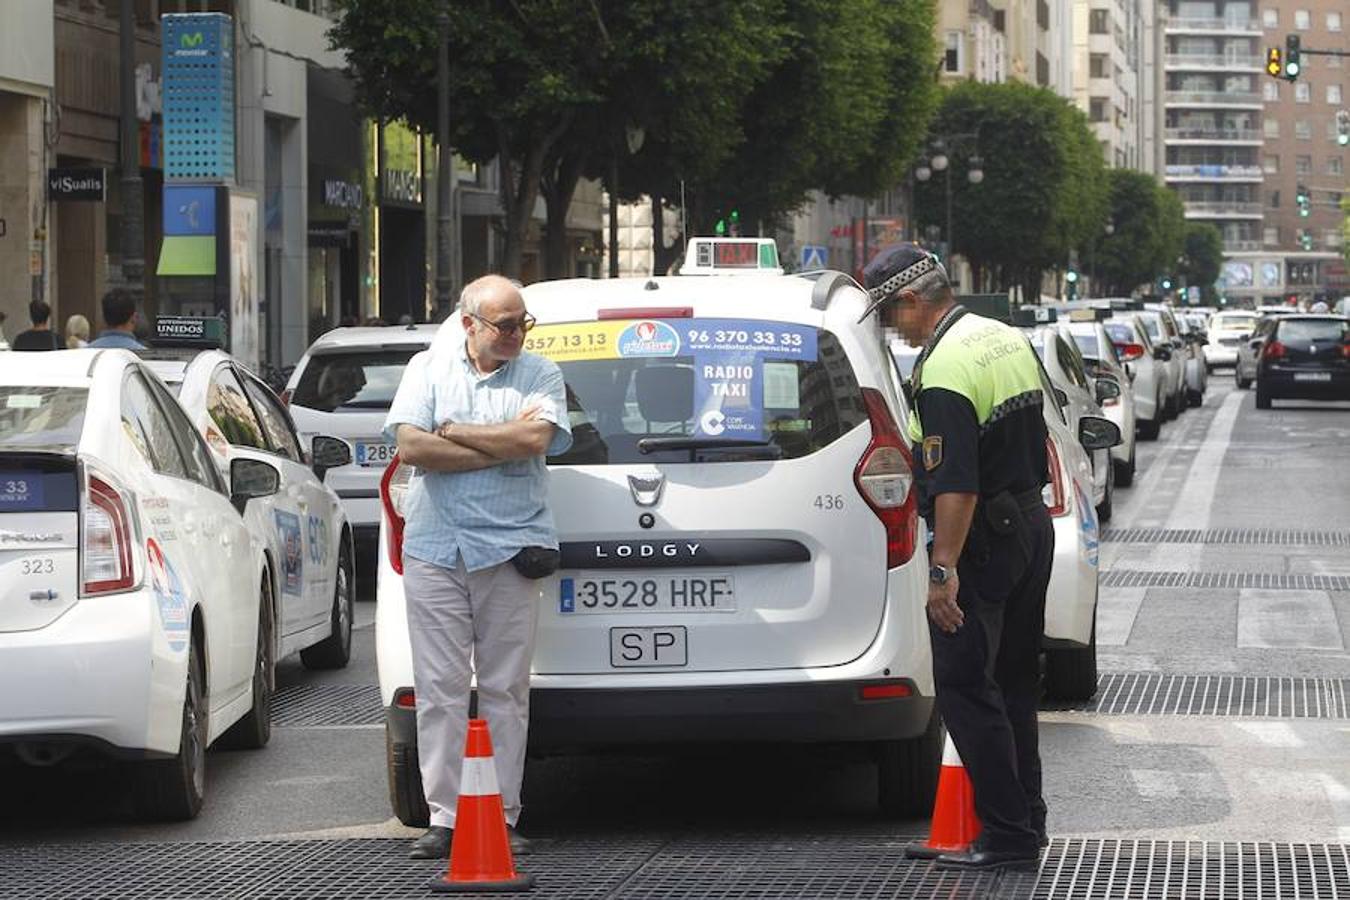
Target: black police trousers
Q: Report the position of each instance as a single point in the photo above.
(988, 675)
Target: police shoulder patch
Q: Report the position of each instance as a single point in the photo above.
(932, 452)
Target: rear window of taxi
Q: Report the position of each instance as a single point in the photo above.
(778, 390)
(357, 379)
(41, 417)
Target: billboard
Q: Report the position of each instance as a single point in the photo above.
(244, 312)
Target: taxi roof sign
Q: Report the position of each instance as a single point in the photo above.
(1090, 314)
(1028, 316)
(731, 256)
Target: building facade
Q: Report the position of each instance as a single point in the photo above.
(1300, 256)
(1109, 39)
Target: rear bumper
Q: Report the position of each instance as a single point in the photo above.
(1219, 355)
(1282, 385)
(102, 675)
(565, 719)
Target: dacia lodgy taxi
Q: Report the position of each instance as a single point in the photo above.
(742, 558)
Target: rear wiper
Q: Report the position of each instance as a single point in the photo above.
(654, 444)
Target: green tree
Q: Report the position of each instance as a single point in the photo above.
(1146, 238)
(547, 86)
(1202, 257)
(1043, 191)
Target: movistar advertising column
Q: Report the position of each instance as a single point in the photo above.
(207, 263)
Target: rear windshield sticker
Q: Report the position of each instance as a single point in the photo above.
(21, 491)
(648, 338)
(293, 561)
(169, 596)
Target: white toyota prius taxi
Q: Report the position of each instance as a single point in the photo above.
(130, 588)
(742, 557)
(303, 526)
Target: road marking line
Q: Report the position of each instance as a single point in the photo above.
(1272, 734)
(1192, 507)
(1117, 609)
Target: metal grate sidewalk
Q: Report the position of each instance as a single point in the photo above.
(1278, 581)
(1280, 536)
(1260, 696)
(315, 705)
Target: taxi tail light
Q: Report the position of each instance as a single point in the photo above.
(1129, 352)
(106, 530)
(1053, 493)
(885, 478)
(646, 312)
(393, 492)
(886, 690)
(1273, 350)
(404, 698)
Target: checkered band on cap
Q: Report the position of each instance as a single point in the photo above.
(905, 276)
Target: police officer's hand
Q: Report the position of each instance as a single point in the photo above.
(942, 607)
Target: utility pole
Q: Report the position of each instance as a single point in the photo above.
(133, 188)
(444, 169)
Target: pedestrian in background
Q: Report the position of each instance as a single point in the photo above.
(979, 440)
(77, 332)
(119, 314)
(476, 420)
(40, 336)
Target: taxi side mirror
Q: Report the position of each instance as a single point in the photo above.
(1161, 353)
(1062, 397)
(328, 453)
(1107, 389)
(1254, 344)
(1096, 433)
(251, 479)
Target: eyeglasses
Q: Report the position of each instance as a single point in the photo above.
(508, 326)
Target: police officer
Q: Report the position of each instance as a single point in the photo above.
(979, 442)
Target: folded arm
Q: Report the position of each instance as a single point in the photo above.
(525, 437)
(435, 454)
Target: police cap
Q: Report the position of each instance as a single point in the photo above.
(896, 268)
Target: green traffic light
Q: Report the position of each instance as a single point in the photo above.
(1291, 69)
(1071, 276)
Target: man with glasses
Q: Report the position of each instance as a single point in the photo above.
(979, 440)
(476, 420)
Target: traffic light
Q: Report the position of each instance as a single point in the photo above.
(1274, 65)
(1305, 239)
(1292, 63)
(1071, 285)
(1304, 201)
(1343, 127)
(1167, 284)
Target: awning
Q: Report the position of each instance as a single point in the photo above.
(187, 255)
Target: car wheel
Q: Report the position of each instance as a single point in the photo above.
(334, 651)
(907, 772)
(1149, 429)
(1195, 398)
(1263, 397)
(405, 783)
(254, 730)
(1125, 471)
(1242, 383)
(174, 789)
(1071, 672)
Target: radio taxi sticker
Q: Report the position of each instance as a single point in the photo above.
(293, 560)
(169, 597)
(1087, 526)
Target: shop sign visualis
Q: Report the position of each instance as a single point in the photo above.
(85, 184)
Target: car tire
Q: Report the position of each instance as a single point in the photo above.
(254, 730)
(1149, 429)
(1125, 471)
(1195, 398)
(1242, 383)
(335, 651)
(1263, 398)
(170, 790)
(1071, 672)
(405, 783)
(907, 772)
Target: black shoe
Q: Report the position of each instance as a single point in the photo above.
(1042, 840)
(520, 845)
(435, 844)
(983, 859)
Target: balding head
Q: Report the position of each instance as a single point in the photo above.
(492, 312)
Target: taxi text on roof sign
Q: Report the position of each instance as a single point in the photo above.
(731, 256)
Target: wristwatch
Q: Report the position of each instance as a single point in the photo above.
(939, 574)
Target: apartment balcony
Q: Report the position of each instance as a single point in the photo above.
(1242, 247)
(1229, 136)
(1209, 26)
(1223, 209)
(1214, 172)
(1214, 62)
(1207, 98)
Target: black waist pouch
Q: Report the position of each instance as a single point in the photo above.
(537, 562)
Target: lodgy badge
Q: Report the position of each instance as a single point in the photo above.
(645, 551)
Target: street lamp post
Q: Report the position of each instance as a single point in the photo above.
(1109, 229)
(444, 174)
(939, 161)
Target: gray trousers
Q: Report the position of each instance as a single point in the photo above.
(462, 623)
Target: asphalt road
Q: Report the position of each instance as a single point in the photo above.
(1237, 581)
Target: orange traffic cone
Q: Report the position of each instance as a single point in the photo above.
(480, 852)
(954, 824)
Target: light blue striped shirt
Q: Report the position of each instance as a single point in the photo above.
(490, 514)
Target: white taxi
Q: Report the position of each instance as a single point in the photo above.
(131, 591)
(742, 557)
(342, 387)
(303, 525)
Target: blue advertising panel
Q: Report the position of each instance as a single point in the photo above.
(729, 371)
(189, 210)
(198, 91)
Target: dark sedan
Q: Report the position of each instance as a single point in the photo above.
(1303, 357)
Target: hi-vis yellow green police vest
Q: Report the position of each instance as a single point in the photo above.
(988, 363)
